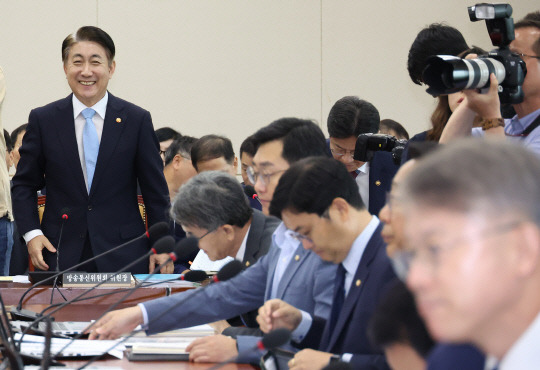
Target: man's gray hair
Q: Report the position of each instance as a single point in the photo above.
(211, 199)
(492, 177)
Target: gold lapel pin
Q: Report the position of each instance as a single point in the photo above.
(247, 263)
(297, 257)
(358, 282)
(119, 120)
(378, 183)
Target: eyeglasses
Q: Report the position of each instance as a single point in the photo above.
(341, 152)
(253, 175)
(190, 235)
(431, 255)
(525, 55)
(299, 237)
(162, 152)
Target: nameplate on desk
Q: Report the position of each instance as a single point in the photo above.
(89, 279)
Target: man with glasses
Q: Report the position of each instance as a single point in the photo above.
(523, 127)
(473, 245)
(348, 118)
(288, 271)
(318, 200)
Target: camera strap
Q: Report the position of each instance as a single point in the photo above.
(534, 124)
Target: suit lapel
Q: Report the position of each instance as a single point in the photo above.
(355, 291)
(113, 125)
(253, 239)
(65, 128)
(296, 261)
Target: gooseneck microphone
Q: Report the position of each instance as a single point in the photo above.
(251, 193)
(182, 249)
(227, 272)
(163, 245)
(65, 215)
(154, 233)
(270, 340)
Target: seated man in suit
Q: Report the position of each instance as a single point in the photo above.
(473, 244)
(212, 207)
(216, 153)
(318, 200)
(348, 118)
(288, 271)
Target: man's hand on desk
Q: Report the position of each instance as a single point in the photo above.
(275, 314)
(35, 246)
(116, 323)
(214, 348)
(309, 359)
(159, 259)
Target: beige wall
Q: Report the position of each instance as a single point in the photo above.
(231, 66)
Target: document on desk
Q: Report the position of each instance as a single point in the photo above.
(33, 345)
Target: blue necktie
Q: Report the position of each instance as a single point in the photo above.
(339, 297)
(90, 145)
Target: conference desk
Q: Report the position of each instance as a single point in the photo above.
(39, 299)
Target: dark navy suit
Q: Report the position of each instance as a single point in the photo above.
(349, 335)
(109, 214)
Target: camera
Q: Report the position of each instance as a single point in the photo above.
(446, 74)
(368, 144)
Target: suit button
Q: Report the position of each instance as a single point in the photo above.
(89, 207)
(82, 236)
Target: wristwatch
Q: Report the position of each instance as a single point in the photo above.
(488, 123)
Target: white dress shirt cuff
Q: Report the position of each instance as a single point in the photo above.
(32, 234)
(301, 331)
(144, 325)
(346, 357)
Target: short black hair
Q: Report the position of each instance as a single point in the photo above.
(390, 124)
(181, 146)
(167, 133)
(351, 116)
(435, 39)
(9, 143)
(15, 133)
(301, 138)
(89, 33)
(311, 185)
(211, 147)
(248, 147)
(396, 320)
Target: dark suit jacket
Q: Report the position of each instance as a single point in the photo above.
(372, 277)
(455, 356)
(109, 214)
(381, 172)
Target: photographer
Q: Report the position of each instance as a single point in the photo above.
(523, 126)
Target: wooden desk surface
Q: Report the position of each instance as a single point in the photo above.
(38, 300)
(12, 292)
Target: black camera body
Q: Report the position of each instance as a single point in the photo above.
(448, 74)
(368, 144)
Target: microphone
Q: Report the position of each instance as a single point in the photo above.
(251, 193)
(163, 245)
(194, 276)
(227, 272)
(154, 233)
(269, 341)
(64, 212)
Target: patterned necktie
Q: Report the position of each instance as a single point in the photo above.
(339, 297)
(90, 145)
(354, 174)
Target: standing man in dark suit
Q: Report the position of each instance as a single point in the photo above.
(319, 201)
(348, 118)
(90, 150)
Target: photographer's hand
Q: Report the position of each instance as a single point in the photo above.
(486, 105)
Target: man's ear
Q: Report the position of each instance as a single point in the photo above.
(339, 210)
(527, 248)
(229, 232)
(177, 161)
